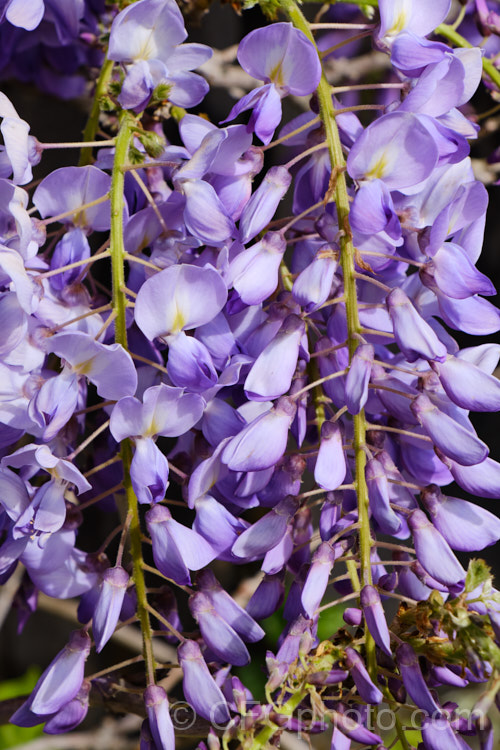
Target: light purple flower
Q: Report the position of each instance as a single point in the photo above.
(107, 611)
(98, 362)
(60, 682)
(330, 467)
(177, 549)
(433, 551)
(200, 689)
(263, 441)
(160, 723)
(287, 62)
(179, 298)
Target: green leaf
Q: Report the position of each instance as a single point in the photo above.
(477, 573)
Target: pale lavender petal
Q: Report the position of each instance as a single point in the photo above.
(282, 54)
(146, 30)
(481, 480)
(313, 285)
(69, 188)
(375, 618)
(330, 468)
(179, 298)
(443, 271)
(242, 622)
(467, 385)
(317, 578)
(433, 551)
(190, 364)
(188, 89)
(26, 16)
(396, 149)
(109, 604)
(137, 86)
(473, 315)
(149, 471)
(98, 362)
(466, 526)
(437, 734)
(454, 440)
(262, 442)
(170, 411)
(204, 214)
(262, 206)
(62, 679)
(200, 689)
(414, 681)
(367, 690)
(378, 491)
(421, 18)
(160, 723)
(220, 637)
(267, 532)
(358, 377)
(254, 271)
(273, 370)
(15, 135)
(413, 334)
(216, 524)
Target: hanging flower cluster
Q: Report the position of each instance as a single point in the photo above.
(283, 394)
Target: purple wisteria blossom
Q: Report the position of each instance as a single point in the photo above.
(284, 58)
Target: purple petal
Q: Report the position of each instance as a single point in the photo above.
(330, 468)
(63, 678)
(220, 637)
(271, 375)
(190, 364)
(282, 54)
(413, 334)
(262, 206)
(396, 149)
(467, 385)
(233, 614)
(358, 377)
(267, 532)
(204, 214)
(454, 440)
(367, 690)
(179, 298)
(69, 188)
(262, 442)
(465, 526)
(160, 723)
(433, 551)
(149, 29)
(378, 491)
(375, 618)
(317, 578)
(109, 604)
(254, 271)
(98, 362)
(200, 688)
(413, 680)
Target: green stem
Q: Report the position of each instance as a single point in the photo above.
(116, 238)
(92, 125)
(347, 259)
(119, 302)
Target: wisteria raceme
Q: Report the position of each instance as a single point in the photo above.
(284, 393)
